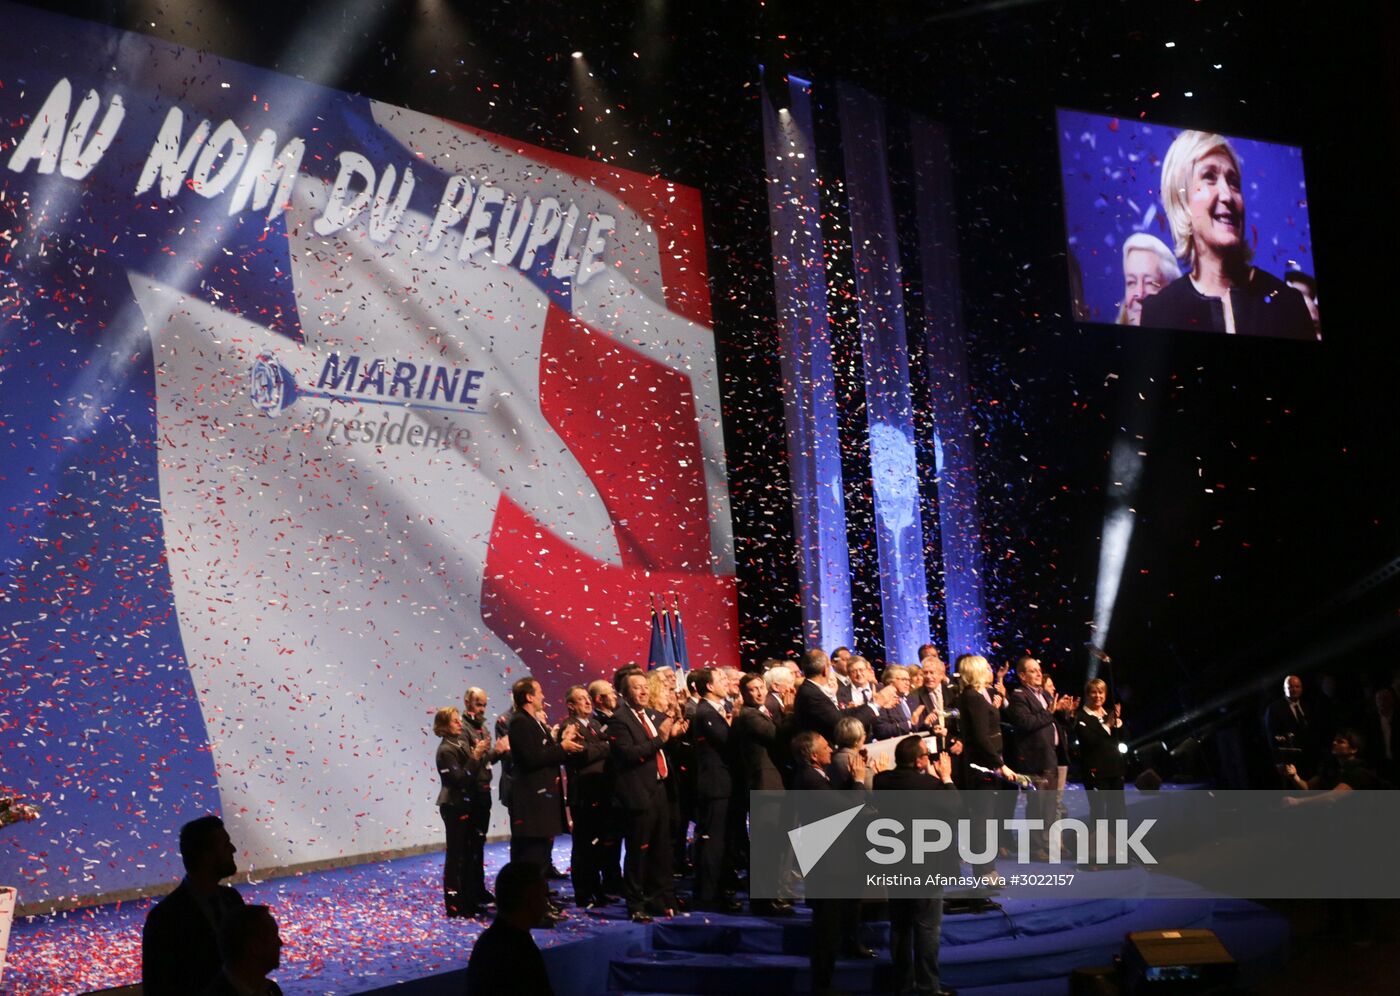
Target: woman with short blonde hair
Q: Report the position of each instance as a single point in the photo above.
(979, 723)
(1204, 200)
(974, 672)
(1187, 151)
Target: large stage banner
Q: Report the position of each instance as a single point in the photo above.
(317, 411)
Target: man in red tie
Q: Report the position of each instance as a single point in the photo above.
(639, 766)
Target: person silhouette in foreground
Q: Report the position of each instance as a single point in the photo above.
(180, 941)
(505, 960)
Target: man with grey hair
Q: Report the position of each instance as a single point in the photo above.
(1148, 266)
(777, 679)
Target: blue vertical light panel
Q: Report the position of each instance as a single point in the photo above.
(946, 352)
(809, 383)
(893, 461)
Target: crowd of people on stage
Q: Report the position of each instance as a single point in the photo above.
(639, 759)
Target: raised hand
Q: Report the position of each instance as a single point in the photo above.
(943, 766)
(503, 744)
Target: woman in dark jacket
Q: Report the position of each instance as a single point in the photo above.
(979, 722)
(1204, 202)
(457, 765)
(1098, 733)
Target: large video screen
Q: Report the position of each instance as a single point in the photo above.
(317, 411)
(1184, 228)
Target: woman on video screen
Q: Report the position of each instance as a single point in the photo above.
(1204, 202)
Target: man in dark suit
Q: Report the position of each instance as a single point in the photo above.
(604, 703)
(938, 698)
(537, 789)
(250, 947)
(503, 722)
(475, 733)
(761, 750)
(904, 716)
(1294, 737)
(639, 765)
(713, 753)
(935, 694)
(861, 689)
(921, 919)
(815, 708)
(1034, 738)
(590, 800)
(841, 659)
(779, 684)
(761, 737)
(773, 677)
(180, 940)
(833, 920)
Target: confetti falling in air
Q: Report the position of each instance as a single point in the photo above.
(143, 534)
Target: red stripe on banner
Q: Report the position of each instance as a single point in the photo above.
(673, 211)
(630, 422)
(571, 618)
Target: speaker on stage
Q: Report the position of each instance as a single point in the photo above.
(1177, 961)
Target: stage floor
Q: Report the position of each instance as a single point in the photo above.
(371, 927)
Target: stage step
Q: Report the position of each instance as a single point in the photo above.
(774, 975)
(703, 933)
(760, 956)
(698, 934)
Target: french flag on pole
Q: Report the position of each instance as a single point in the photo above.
(662, 652)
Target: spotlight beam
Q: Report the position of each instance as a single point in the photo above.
(1124, 474)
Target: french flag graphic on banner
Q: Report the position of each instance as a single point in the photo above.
(406, 407)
